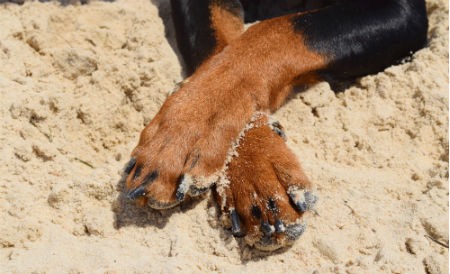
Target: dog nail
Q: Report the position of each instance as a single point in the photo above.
(137, 173)
(304, 200)
(279, 226)
(278, 129)
(129, 166)
(183, 187)
(302, 206)
(310, 199)
(294, 231)
(267, 229)
(235, 224)
(139, 191)
(150, 178)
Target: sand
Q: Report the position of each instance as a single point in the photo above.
(79, 82)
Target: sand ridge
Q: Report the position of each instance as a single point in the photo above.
(79, 82)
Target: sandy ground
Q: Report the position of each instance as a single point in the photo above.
(78, 84)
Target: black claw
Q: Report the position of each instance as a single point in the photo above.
(256, 212)
(300, 202)
(179, 196)
(235, 224)
(294, 231)
(150, 178)
(302, 206)
(267, 229)
(141, 190)
(137, 172)
(310, 199)
(181, 190)
(280, 133)
(129, 166)
(279, 226)
(277, 128)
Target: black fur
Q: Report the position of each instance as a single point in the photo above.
(266, 9)
(364, 36)
(358, 37)
(195, 37)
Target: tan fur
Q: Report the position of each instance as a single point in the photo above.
(227, 26)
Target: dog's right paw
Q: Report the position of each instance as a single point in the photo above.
(265, 194)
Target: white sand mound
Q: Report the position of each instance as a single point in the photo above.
(78, 84)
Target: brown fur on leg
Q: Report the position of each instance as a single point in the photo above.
(227, 25)
(259, 179)
(191, 134)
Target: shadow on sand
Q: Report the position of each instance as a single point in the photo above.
(126, 213)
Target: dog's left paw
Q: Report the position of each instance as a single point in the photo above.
(265, 193)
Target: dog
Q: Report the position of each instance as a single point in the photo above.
(215, 131)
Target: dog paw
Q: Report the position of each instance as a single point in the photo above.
(183, 149)
(264, 195)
